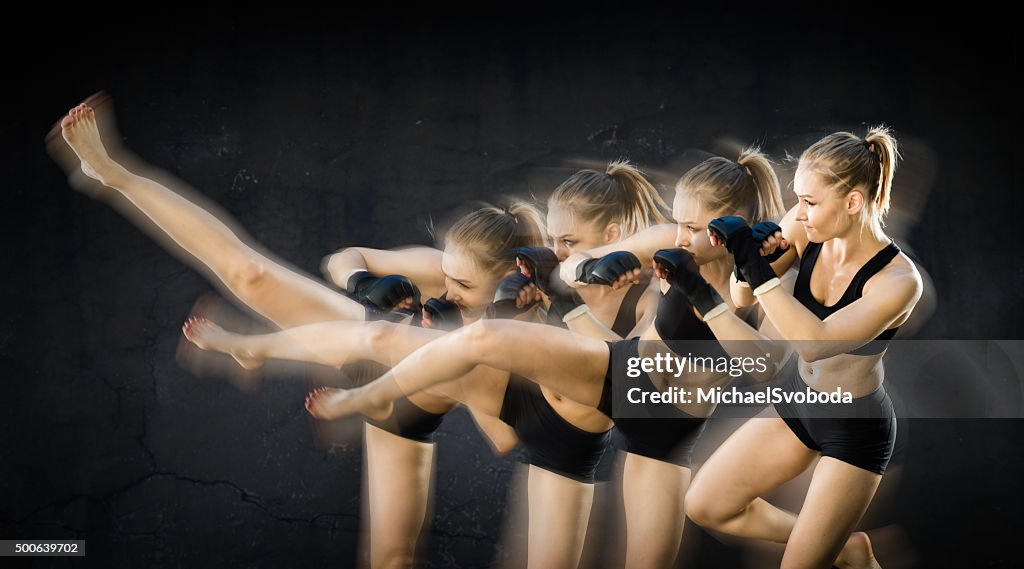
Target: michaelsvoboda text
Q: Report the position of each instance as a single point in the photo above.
(734, 366)
(734, 396)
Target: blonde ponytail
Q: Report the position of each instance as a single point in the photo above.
(882, 144)
(766, 184)
(492, 234)
(748, 187)
(851, 163)
(620, 194)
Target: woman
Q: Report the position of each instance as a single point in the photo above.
(289, 299)
(589, 209)
(576, 366)
(657, 459)
(854, 289)
(402, 467)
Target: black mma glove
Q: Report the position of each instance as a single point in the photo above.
(504, 304)
(541, 264)
(444, 314)
(739, 240)
(684, 275)
(383, 293)
(606, 270)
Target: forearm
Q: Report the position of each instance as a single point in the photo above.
(643, 244)
(797, 324)
(339, 266)
(741, 293)
(739, 339)
(588, 325)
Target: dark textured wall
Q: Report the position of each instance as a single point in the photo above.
(358, 132)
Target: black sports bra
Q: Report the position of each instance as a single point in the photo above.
(802, 291)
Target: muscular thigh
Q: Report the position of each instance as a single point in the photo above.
(571, 364)
(482, 390)
(760, 456)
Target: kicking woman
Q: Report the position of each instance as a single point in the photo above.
(589, 209)
(287, 298)
(400, 468)
(854, 289)
(576, 366)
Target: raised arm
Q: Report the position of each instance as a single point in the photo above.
(687, 290)
(887, 300)
(422, 265)
(643, 244)
(796, 239)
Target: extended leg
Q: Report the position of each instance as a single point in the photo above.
(570, 364)
(282, 295)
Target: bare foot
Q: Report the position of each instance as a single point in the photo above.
(331, 403)
(82, 135)
(857, 553)
(208, 336)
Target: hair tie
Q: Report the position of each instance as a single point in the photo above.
(870, 146)
(507, 211)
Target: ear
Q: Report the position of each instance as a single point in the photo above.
(612, 232)
(854, 202)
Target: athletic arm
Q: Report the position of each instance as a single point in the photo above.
(796, 237)
(891, 294)
(422, 265)
(642, 244)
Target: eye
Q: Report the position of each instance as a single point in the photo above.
(568, 242)
(693, 229)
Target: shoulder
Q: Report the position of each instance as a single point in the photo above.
(899, 279)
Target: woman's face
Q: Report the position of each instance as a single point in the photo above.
(571, 234)
(467, 284)
(692, 220)
(821, 210)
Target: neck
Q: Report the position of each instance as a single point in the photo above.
(858, 240)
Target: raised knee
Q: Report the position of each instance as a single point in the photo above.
(244, 273)
(480, 334)
(378, 334)
(706, 510)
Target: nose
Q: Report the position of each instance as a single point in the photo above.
(801, 211)
(561, 251)
(682, 237)
(451, 292)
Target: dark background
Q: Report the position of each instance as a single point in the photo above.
(360, 129)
